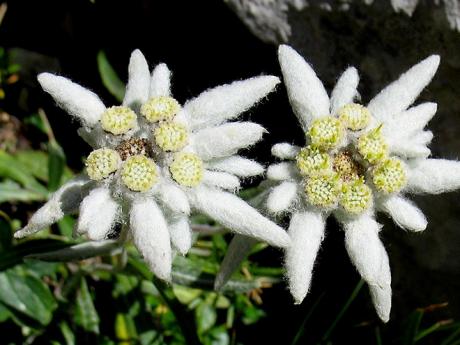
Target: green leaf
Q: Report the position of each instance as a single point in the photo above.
(67, 333)
(15, 170)
(56, 164)
(36, 163)
(219, 336)
(11, 191)
(79, 251)
(109, 77)
(28, 295)
(66, 226)
(85, 314)
(125, 329)
(16, 254)
(206, 317)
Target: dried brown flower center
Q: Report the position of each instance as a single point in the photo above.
(133, 147)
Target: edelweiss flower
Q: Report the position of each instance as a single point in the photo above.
(154, 160)
(357, 161)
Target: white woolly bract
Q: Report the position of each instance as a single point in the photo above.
(285, 151)
(237, 216)
(345, 90)
(238, 249)
(411, 147)
(400, 94)
(226, 102)
(181, 234)
(74, 99)
(221, 179)
(226, 139)
(282, 171)
(65, 200)
(404, 213)
(381, 299)
(306, 230)
(433, 176)
(137, 89)
(306, 92)
(160, 83)
(282, 197)
(98, 212)
(151, 237)
(173, 197)
(364, 247)
(411, 121)
(236, 165)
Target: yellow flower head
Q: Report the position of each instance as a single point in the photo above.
(171, 136)
(139, 173)
(311, 160)
(372, 146)
(356, 196)
(323, 190)
(326, 132)
(118, 120)
(101, 163)
(354, 116)
(187, 169)
(160, 108)
(389, 176)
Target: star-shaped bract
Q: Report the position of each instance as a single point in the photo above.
(357, 161)
(154, 161)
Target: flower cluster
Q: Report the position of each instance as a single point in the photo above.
(154, 161)
(358, 160)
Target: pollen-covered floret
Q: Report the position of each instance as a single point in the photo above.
(171, 136)
(323, 190)
(160, 108)
(372, 146)
(311, 160)
(187, 169)
(118, 120)
(326, 132)
(354, 116)
(389, 176)
(101, 163)
(356, 196)
(139, 173)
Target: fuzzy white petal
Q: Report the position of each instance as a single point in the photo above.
(433, 176)
(238, 249)
(306, 92)
(65, 200)
(98, 212)
(221, 180)
(226, 102)
(237, 215)
(364, 247)
(307, 232)
(181, 234)
(381, 299)
(160, 83)
(413, 119)
(151, 237)
(73, 98)
(414, 146)
(282, 171)
(173, 197)
(404, 213)
(285, 151)
(226, 140)
(137, 89)
(282, 197)
(400, 94)
(236, 165)
(345, 90)
(370, 258)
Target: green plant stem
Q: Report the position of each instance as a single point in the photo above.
(345, 307)
(184, 319)
(307, 317)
